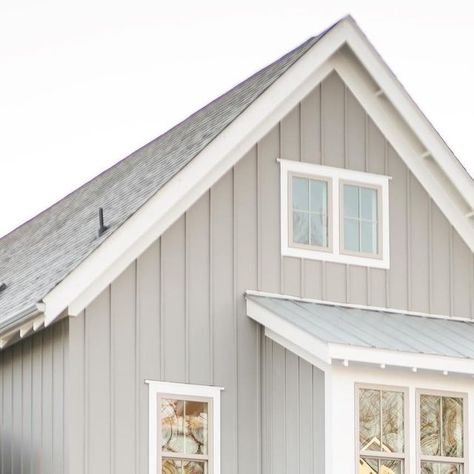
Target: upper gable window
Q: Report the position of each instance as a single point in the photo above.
(334, 214)
(309, 212)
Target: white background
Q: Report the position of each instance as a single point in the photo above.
(84, 83)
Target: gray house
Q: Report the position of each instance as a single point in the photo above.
(282, 283)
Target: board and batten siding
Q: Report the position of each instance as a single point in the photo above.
(32, 425)
(177, 313)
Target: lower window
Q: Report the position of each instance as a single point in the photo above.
(441, 433)
(381, 429)
(184, 428)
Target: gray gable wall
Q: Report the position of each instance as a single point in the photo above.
(178, 313)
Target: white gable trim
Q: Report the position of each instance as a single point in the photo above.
(106, 263)
(324, 354)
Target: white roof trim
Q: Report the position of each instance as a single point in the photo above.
(93, 275)
(323, 354)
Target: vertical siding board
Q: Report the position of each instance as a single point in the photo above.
(173, 317)
(440, 231)
(75, 396)
(462, 274)
(398, 228)
(123, 380)
(58, 397)
(248, 341)
(26, 406)
(355, 133)
(305, 404)
(311, 127)
(278, 413)
(267, 442)
(332, 112)
(420, 244)
(224, 336)
(148, 307)
(36, 406)
(292, 410)
(290, 150)
(375, 149)
(318, 419)
(335, 282)
(98, 384)
(7, 422)
(17, 413)
(47, 408)
(269, 214)
(197, 277)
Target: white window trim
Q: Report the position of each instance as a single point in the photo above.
(465, 412)
(335, 176)
(183, 390)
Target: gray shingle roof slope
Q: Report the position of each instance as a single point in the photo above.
(38, 255)
(375, 329)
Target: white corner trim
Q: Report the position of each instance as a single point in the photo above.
(179, 389)
(93, 275)
(336, 176)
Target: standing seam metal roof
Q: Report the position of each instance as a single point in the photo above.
(38, 255)
(375, 329)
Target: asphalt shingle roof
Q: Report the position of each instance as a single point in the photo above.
(38, 255)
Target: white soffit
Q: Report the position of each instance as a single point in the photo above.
(322, 334)
(92, 276)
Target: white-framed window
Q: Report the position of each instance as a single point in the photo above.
(184, 428)
(381, 429)
(334, 214)
(441, 432)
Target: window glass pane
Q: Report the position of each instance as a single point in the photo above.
(452, 409)
(319, 231)
(195, 427)
(390, 466)
(194, 467)
(300, 227)
(171, 466)
(380, 466)
(369, 420)
(368, 203)
(318, 193)
(351, 201)
(430, 425)
(351, 235)
(368, 237)
(441, 468)
(172, 427)
(368, 466)
(300, 193)
(392, 422)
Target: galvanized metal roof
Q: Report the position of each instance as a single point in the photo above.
(375, 329)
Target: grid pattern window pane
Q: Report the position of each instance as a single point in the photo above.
(441, 434)
(184, 436)
(360, 219)
(310, 211)
(381, 431)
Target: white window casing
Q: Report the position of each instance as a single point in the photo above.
(336, 178)
(209, 394)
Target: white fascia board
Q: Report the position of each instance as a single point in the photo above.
(106, 263)
(401, 359)
(290, 336)
(396, 132)
(408, 109)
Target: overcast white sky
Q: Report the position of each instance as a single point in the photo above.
(84, 83)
